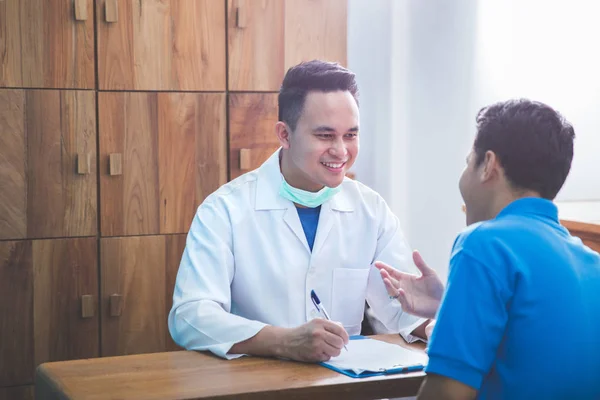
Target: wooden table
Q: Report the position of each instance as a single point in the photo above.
(195, 375)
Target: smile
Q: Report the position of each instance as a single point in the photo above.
(333, 165)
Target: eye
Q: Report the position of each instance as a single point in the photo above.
(351, 136)
(324, 135)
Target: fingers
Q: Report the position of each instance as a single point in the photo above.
(420, 263)
(402, 298)
(337, 330)
(383, 267)
(391, 287)
(393, 272)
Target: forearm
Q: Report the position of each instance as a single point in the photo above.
(204, 325)
(419, 331)
(268, 342)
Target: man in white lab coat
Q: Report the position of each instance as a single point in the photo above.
(261, 243)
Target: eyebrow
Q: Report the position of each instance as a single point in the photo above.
(324, 128)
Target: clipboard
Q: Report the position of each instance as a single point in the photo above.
(389, 370)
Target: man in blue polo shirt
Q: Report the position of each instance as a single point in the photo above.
(520, 315)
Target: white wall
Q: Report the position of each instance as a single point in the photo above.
(413, 155)
(424, 70)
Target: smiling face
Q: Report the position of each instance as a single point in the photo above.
(325, 143)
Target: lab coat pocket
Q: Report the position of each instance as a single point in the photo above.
(348, 296)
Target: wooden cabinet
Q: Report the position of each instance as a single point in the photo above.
(252, 64)
(161, 44)
(117, 119)
(47, 43)
(48, 304)
(17, 393)
(47, 164)
(138, 277)
(296, 30)
(161, 154)
(252, 138)
(315, 29)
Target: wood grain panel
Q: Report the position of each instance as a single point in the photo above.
(78, 126)
(174, 155)
(211, 147)
(64, 270)
(13, 163)
(44, 46)
(16, 313)
(163, 45)
(254, 65)
(17, 392)
(129, 202)
(175, 244)
(59, 201)
(45, 194)
(177, 160)
(315, 29)
(192, 155)
(134, 267)
(198, 51)
(10, 44)
(252, 118)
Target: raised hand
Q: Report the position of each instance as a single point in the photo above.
(418, 295)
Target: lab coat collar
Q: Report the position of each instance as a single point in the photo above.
(268, 184)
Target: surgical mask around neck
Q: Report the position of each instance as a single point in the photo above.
(305, 198)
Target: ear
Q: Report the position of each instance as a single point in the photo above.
(490, 168)
(283, 134)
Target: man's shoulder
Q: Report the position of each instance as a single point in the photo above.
(232, 193)
(361, 193)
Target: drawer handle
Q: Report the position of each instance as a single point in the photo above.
(81, 10)
(245, 159)
(83, 163)
(115, 164)
(87, 306)
(111, 11)
(116, 305)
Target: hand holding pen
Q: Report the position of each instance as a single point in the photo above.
(320, 308)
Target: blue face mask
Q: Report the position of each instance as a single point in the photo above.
(307, 199)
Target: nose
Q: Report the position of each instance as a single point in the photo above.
(338, 149)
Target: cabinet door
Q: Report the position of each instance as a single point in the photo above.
(254, 65)
(161, 155)
(315, 29)
(137, 288)
(17, 393)
(47, 164)
(252, 138)
(48, 304)
(47, 43)
(161, 44)
(296, 30)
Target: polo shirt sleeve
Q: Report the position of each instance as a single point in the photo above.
(471, 322)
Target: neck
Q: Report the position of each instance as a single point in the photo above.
(293, 176)
(499, 202)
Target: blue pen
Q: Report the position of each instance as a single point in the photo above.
(320, 307)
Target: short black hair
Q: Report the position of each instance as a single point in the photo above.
(532, 141)
(315, 75)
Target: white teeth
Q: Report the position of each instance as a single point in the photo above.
(332, 165)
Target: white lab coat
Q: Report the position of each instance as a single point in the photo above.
(247, 263)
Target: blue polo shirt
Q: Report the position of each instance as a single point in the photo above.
(520, 318)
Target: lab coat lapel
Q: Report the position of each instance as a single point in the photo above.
(329, 213)
(268, 198)
(292, 220)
